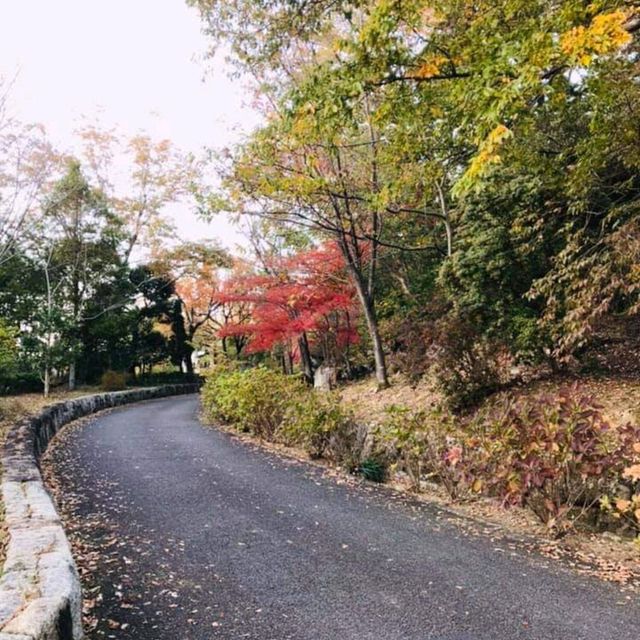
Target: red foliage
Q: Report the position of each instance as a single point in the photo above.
(306, 293)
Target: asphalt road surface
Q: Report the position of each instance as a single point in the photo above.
(185, 532)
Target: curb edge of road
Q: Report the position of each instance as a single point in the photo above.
(40, 592)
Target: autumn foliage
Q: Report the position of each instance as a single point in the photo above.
(303, 295)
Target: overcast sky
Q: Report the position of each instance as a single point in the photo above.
(137, 64)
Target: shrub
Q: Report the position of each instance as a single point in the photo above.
(373, 470)
(256, 400)
(313, 420)
(275, 406)
(113, 381)
(28, 382)
(320, 424)
(346, 445)
(428, 445)
(468, 366)
(554, 454)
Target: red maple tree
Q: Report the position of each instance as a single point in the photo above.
(305, 302)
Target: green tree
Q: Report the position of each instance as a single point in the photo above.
(84, 237)
(504, 145)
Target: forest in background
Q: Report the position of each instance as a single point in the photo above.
(470, 167)
(442, 187)
(94, 279)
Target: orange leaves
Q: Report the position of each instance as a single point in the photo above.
(606, 34)
(622, 505)
(431, 67)
(632, 472)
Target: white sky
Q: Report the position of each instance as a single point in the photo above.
(136, 64)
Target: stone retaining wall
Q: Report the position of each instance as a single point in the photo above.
(40, 597)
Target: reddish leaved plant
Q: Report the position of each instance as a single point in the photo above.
(556, 455)
(304, 295)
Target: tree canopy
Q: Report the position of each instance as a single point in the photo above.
(474, 162)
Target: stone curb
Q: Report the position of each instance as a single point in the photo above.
(40, 594)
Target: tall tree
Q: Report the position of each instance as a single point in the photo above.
(26, 164)
(141, 177)
(84, 242)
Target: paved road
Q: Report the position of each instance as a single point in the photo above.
(202, 536)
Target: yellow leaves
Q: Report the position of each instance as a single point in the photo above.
(304, 121)
(302, 126)
(487, 157)
(488, 153)
(431, 67)
(606, 34)
(624, 507)
(628, 508)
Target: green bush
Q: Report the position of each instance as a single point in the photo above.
(275, 406)
(373, 470)
(113, 381)
(256, 400)
(428, 445)
(29, 382)
(316, 422)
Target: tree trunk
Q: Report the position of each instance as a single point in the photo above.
(445, 218)
(305, 358)
(378, 351)
(47, 381)
(288, 363)
(239, 344)
(72, 376)
(447, 226)
(374, 332)
(188, 353)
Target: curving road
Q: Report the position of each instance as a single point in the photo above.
(185, 532)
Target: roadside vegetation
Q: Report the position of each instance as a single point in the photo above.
(553, 454)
